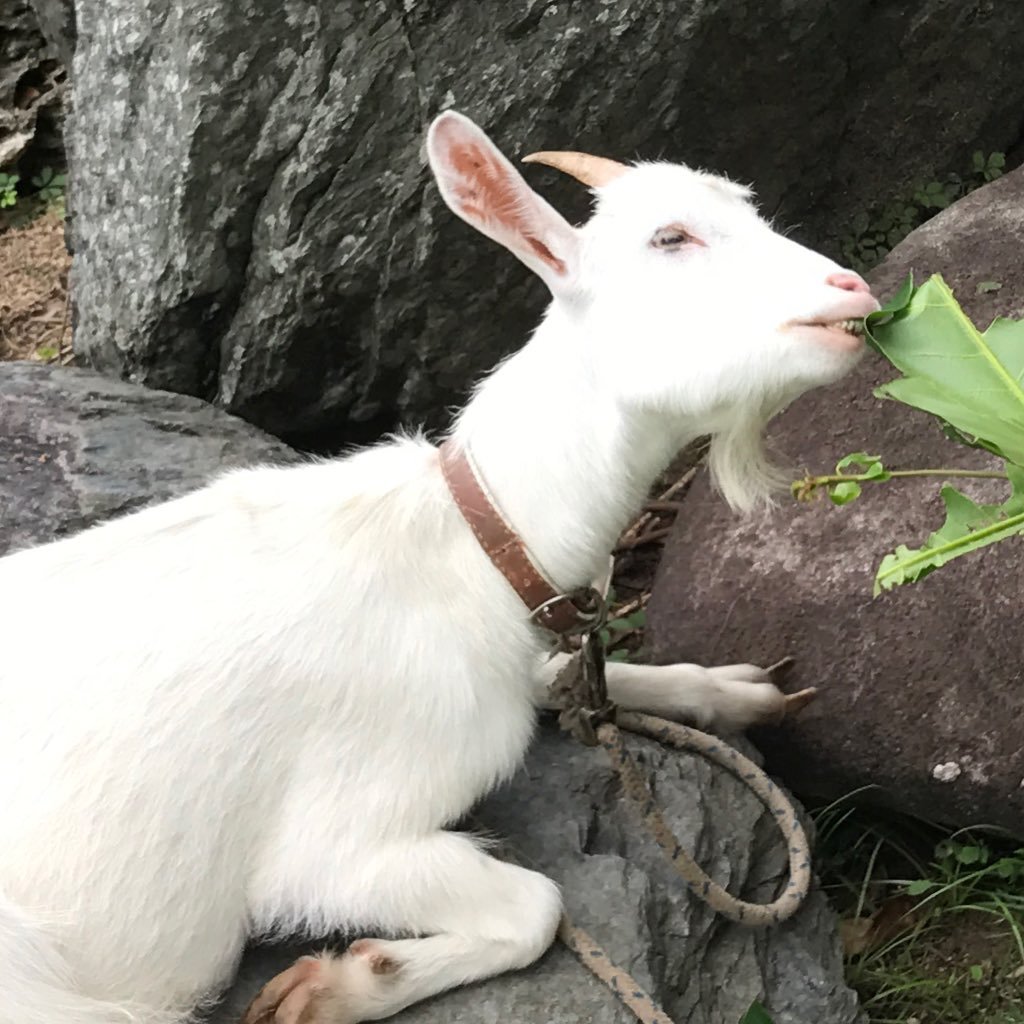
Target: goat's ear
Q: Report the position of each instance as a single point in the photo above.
(485, 190)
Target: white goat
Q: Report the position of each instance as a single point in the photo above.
(270, 697)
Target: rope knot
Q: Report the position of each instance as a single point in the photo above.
(581, 693)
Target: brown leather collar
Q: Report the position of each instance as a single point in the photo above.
(560, 613)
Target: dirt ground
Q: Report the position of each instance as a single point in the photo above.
(34, 315)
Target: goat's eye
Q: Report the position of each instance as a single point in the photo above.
(674, 236)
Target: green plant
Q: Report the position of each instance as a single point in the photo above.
(873, 233)
(931, 920)
(50, 186)
(618, 629)
(971, 381)
(757, 1014)
(8, 190)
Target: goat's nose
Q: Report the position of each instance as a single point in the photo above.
(848, 281)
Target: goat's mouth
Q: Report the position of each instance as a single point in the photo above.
(843, 335)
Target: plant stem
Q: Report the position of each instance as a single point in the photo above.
(981, 474)
(812, 482)
(806, 488)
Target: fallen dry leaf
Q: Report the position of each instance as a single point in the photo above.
(34, 322)
(863, 934)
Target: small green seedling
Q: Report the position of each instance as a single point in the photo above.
(8, 190)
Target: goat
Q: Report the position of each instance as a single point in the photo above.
(273, 696)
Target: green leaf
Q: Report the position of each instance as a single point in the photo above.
(967, 528)
(919, 887)
(757, 1014)
(971, 854)
(968, 379)
(873, 468)
(619, 655)
(845, 492)
(988, 286)
(893, 310)
(976, 972)
(856, 459)
(1008, 867)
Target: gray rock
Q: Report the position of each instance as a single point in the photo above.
(31, 86)
(254, 223)
(57, 22)
(77, 448)
(564, 815)
(922, 686)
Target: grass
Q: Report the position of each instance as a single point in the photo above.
(932, 921)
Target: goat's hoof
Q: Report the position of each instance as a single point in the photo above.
(291, 997)
(794, 703)
(781, 667)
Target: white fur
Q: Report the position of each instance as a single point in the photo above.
(254, 709)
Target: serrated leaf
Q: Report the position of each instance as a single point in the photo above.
(845, 492)
(967, 528)
(971, 380)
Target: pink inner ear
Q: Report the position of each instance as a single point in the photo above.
(487, 192)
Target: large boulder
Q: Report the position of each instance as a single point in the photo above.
(564, 815)
(31, 87)
(254, 223)
(76, 448)
(921, 688)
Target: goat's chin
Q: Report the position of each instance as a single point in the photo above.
(740, 468)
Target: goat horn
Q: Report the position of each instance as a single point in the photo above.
(594, 171)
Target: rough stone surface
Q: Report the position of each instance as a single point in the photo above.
(253, 219)
(922, 686)
(31, 86)
(76, 448)
(563, 815)
(57, 21)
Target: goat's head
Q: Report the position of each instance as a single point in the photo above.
(691, 305)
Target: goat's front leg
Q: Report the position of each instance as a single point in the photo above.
(726, 699)
(479, 916)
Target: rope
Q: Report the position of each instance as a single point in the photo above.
(596, 960)
(714, 749)
(582, 689)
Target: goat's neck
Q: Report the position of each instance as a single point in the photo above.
(565, 464)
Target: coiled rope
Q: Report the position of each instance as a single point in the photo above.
(586, 712)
